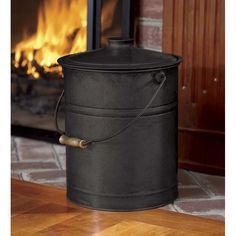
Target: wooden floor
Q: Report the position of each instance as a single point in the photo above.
(40, 210)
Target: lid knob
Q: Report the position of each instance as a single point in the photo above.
(120, 42)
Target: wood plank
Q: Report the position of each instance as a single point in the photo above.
(178, 44)
(139, 229)
(168, 26)
(88, 223)
(207, 110)
(40, 218)
(57, 216)
(23, 204)
(198, 53)
(219, 73)
(171, 220)
(42, 193)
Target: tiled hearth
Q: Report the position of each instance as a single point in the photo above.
(40, 162)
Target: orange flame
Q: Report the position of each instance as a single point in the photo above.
(61, 30)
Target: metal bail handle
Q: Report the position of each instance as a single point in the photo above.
(80, 143)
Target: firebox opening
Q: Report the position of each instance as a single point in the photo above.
(43, 31)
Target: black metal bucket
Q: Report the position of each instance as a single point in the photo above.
(121, 136)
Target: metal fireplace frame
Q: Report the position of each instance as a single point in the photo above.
(93, 42)
(94, 13)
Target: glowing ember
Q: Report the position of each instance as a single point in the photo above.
(61, 30)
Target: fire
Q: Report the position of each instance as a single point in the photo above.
(61, 30)
(108, 10)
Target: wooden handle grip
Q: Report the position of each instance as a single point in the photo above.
(73, 142)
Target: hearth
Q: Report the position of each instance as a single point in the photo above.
(43, 30)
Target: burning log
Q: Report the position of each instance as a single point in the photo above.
(72, 36)
(53, 72)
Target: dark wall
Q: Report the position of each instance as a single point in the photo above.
(24, 15)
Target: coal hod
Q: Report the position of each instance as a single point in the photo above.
(121, 127)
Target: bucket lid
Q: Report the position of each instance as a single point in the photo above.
(119, 55)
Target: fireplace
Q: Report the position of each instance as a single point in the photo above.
(42, 31)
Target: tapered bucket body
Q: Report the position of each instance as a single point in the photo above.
(129, 118)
